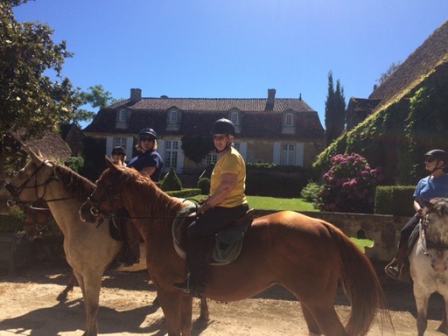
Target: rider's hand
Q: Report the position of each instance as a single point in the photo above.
(203, 208)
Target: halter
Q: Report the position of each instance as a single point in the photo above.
(16, 191)
(109, 196)
(427, 244)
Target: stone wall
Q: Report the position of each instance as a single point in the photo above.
(384, 230)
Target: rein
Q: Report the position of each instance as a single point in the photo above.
(427, 244)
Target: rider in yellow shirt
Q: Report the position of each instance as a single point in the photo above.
(226, 203)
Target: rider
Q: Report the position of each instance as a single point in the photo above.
(226, 203)
(149, 163)
(119, 155)
(434, 185)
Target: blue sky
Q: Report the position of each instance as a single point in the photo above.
(235, 48)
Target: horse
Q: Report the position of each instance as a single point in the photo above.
(37, 216)
(89, 248)
(429, 261)
(309, 257)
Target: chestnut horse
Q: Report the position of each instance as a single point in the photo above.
(307, 256)
(37, 216)
(429, 261)
(89, 248)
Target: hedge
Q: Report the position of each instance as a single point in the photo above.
(394, 200)
(184, 193)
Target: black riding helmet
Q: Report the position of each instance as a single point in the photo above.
(147, 131)
(118, 150)
(439, 155)
(223, 126)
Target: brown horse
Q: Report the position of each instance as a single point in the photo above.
(307, 256)
(37, 216)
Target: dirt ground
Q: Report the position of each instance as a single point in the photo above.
(29, 307)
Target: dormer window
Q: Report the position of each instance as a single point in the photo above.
(288, 119)
(173, 119)
(122, 115)
(234, 118)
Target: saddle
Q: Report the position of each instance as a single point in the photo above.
(228, 242)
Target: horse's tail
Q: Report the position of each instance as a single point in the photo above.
(361, 286)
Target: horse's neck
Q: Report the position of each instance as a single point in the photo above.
(64, 207)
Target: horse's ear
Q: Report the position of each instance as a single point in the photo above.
(34, 157)
(110, 163)
(427, 204)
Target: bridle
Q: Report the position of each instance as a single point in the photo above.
(17, 191)
(111, 194)
(37, 225)
(427, 244)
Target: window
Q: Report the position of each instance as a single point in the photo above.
(120, 142)
(234, 118)
(287, 155)
(173, 117)
(212, 159)
(171, 150)
(288, 119)
(122, 116)
(236, 145)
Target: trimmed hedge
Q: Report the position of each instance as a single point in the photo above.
(394, 200)
(184, 193)
(12, 222)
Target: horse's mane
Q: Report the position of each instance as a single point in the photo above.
(440, 206)
(148, 199)
(75, 184)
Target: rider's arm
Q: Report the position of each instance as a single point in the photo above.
(228, 183)
(418, 209)
(147, 171)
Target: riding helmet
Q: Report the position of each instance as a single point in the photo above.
(148, 131)
(118, 150)
(223, 126)
(439, 154)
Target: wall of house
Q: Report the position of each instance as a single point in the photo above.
(384, 230)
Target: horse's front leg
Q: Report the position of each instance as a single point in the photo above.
(421, 302)
(443, 327)
(71, 283)
(178, 310)
(90, 282)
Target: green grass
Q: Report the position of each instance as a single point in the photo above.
(272, 203)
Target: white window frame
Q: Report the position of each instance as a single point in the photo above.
(211, 158)
(174, 117)
(120, 142)
(289, 119)
(122, 115)
(171, 154)
(287, 154)
(235, 118)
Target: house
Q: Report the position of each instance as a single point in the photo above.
(271, 130)
(73, 136)
(432, 54)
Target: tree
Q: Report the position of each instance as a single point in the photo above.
(29, 98)
(385, 75)
(196, 147)
(96, 97)
(334, 111)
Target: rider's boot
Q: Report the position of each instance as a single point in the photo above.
(395, 268)
(198, 260)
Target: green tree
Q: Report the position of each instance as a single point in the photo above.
(334, 111)
(196, 147)
(95, 97)
(29, 98)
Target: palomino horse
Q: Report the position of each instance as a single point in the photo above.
(37, 216)
(429, 261)
(309, 257)
(89, 249)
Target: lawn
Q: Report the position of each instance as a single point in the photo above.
(272, 203)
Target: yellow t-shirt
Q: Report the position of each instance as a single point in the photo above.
(231, 162)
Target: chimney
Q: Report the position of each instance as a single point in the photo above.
(271, 100)
(136, 95)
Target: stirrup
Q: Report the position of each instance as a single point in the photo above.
(183, 286)
(394, 271)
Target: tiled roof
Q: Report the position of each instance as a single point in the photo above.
(432, 53)
(216, 104)
(197, 116)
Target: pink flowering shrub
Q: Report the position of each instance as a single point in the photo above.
(349, 186)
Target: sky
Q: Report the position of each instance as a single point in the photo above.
(235, 48)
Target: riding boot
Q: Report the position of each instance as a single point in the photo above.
(130, 253)
(395, 268)
(198, 258)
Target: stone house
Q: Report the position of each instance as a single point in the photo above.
(271, 130)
